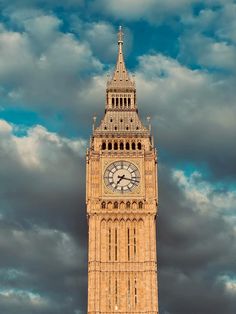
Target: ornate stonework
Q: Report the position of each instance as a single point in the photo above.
(121, 195)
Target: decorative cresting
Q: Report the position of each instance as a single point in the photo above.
(121, 198)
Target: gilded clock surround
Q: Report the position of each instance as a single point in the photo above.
(122, 262)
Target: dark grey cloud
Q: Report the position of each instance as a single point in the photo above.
(196, 254)
(192, 112)
(43, 230)
(43, 268)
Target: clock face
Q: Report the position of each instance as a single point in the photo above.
(122, 176)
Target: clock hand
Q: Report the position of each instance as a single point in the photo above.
(130, 179)
(120, 178)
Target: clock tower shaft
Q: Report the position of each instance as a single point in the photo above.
(121, 197)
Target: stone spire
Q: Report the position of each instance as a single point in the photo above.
(120, 77)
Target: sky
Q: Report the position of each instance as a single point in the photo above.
(55, 57)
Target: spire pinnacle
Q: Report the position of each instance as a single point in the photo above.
(120, 77)
(120, 36)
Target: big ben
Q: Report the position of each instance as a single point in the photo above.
(121, 196)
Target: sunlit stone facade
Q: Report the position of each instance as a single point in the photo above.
(121, 195)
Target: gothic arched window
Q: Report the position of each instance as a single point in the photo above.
(115, 146)
(127, 145)
(121, 145)
(128, 205)
(116, 205)
(103, 145)
(109, 146)
(139, 146)
(133, 146)
(140, 205)
(103, 205)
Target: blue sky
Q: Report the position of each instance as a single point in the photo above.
(54, 60)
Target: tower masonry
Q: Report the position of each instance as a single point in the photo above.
(121, 197)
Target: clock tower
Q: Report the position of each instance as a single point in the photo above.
(121, 196)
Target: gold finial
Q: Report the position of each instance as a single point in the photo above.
(120, 35)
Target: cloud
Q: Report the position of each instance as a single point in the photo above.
(46, 170)
(43, 68)
(196, 247)
(47, 4)
(208, 52)
(43, 221)
(150, 10)
(209, 39)
(193, 114)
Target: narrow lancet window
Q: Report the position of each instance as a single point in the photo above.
(109, 292)
(135, 292)
(128, 244)
(109, 244)
(135, 242)
(116, 294)
(128, 293)
(116, 244)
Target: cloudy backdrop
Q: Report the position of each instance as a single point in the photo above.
(54, 60)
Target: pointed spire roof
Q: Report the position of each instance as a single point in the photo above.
(120, 77)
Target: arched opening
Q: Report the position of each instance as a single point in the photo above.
(113, 101)
(140, 205)
(116, 205)
(139, 146)
(103, 205)
(121, 102)
(104, 145)
(117, 102)
(134, 205)
(133, 146)
(115, 146)
(109, 146)
(129, 102)
(125, 101)
(121, 146)
(127, 146)
(128, 205)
